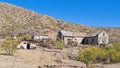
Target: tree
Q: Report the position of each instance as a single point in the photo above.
(9, 46)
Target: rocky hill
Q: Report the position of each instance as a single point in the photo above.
(15, 20)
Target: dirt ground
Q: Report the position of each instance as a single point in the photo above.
(40, 57)
(45, 57)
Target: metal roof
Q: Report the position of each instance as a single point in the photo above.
(68, 33)
(95, 34)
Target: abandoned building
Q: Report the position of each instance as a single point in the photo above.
(67, 36)
(97, 38)
(83, 38)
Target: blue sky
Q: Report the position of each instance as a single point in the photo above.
(104, 13)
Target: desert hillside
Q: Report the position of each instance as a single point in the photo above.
(15, 20)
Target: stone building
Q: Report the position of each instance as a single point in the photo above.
(97, 38)
(83, 38)
(67, 36)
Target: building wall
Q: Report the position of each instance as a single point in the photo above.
(78, 39)
(103, 38)
(75, 39)
(91, 40)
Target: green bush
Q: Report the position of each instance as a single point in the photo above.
(114, 56)
(57, 43)
(101, 55)
(20, 38)
(24, 37)
(9, 46)
(114, 52)
(86, 56)
(116, 46)
(95, 54)
(27, 37)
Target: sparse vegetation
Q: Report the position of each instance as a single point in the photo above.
(27, 37)
(57, 43)
(93, 54)
(27, 22)
(23, 21)
(9, 46)
(20, 38)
